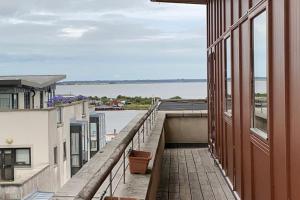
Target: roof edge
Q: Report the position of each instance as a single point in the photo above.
(182, 1)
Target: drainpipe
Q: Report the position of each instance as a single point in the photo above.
(34, 93)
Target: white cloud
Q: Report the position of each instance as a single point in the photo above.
(113, 35)
(75, 33)
(17, 21)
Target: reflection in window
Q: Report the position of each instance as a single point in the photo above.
(94, 137)
(259, 74)
(23, 157)
(5, 101)
(228, 96)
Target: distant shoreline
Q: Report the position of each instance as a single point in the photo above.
(107, 82)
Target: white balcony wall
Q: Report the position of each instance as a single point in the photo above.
(38, 130)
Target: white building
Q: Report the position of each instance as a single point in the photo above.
(41, 145)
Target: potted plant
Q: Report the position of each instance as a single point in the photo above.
(138, 161)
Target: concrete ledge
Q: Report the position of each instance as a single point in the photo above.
(77, 182)
(186, 127)
(145, 186)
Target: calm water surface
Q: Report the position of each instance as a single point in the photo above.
(163, 90)
(119, 119)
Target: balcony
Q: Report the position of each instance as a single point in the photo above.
(181, 165)
(191, 173)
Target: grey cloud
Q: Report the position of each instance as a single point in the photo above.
(115, 33)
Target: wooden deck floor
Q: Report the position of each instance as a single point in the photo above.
(190, 174)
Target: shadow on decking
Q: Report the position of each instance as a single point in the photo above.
(190, 173)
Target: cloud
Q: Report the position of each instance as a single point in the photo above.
(71, 35)
(75, 33)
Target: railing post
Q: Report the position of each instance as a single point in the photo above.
(139, 140)
(143, 133)
(110, 185)
(146, 127)
(124, 167)
(132, 143)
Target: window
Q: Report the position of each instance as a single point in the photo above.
(75, 150)
(20, 157)
(27, 100)
(83, 109)
(259, 75)
(15, 101)
(65, 150)
(94, 136)
(228, 96)
(41, 99)
(8, 101)
(59, 115)
(5, 101)
(23, 157)
(55, 155)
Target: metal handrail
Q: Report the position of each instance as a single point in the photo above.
(93, 185)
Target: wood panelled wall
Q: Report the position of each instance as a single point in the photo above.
(257, 169)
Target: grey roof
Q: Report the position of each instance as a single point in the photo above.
(169, 105)
(36, 81)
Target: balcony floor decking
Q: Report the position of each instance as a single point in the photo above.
(190, 174)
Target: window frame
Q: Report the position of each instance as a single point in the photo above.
(228, 114)
(59, 113)
(27, 100)
(83, 109)
(41, 99)
(14, 100)
(64, 150)
(262, 135)
(15, 157)
(55, 155)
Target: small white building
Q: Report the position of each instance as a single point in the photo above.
(41, 144)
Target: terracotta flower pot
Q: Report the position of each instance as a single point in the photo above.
(119, 198)
(138, 161)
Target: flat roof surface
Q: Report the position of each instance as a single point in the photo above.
(169, 105)
(36, 81)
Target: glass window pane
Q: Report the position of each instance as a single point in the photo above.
(228, 96)
(75, 143)
(259, 80)
(23, 156)
(75, 161)
(55, 155)
(93, 129)
(65, 150)
(5, 101)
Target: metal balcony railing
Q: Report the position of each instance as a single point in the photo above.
(113, 171)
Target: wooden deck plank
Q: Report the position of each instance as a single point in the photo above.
(191, 174)
(216, 186)
(207, 191)
(163, 190)
(225, 186)
(184, 185)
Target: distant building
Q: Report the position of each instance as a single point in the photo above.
(97, 132)
(42, 144)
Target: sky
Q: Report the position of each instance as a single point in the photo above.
(103, 40)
